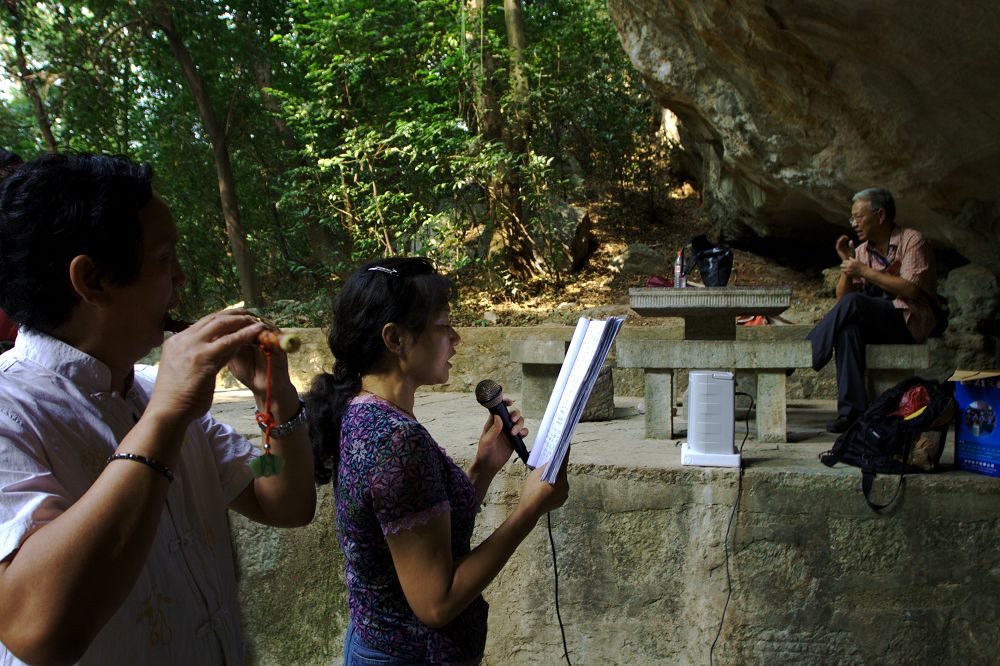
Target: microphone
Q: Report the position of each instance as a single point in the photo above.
(489, 394)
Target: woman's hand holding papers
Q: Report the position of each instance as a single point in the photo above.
(538, 496)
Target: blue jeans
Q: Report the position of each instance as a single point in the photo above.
(357, 653)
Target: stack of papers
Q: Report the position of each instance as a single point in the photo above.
(587, 352)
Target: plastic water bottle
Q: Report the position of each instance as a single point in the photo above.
(679, 270)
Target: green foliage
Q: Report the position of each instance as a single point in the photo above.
(379, 118)
(587, 103)
(352, 126)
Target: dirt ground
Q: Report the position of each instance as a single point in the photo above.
(600, 285)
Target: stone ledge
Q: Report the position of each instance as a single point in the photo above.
(484, 353)
(754, 354)
(816, 576)
(713, 354)
(540, 352)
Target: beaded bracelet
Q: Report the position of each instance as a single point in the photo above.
(300, 419)
(162, 469)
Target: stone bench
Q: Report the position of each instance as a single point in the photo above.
(768, 360)
(540, 361)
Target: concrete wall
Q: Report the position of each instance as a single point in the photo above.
(485, 351)
(815, 576)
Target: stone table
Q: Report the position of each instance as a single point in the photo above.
(710, 343)
(709, 313)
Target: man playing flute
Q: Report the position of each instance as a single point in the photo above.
(114, 483)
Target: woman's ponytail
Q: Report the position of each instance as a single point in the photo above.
(326, 401)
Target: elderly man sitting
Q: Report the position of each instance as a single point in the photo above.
(884, 296)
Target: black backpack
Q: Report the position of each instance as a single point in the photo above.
(880, 443)
(714, 261)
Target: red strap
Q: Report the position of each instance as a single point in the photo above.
(266, 418)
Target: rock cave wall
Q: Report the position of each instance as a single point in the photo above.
(788, 107)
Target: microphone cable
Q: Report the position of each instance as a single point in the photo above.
(489, 394)
(555, 577)
(725, 541)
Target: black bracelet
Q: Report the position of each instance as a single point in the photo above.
(162, 469)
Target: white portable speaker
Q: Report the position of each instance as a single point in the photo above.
(711, 422)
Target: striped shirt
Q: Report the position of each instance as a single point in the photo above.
(910, 258)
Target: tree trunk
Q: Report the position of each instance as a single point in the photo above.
(249, 289)
(516, 41)
(504, 192)
(489, 123)
(485, 118)
(520, 247)
(322, 241)
(27, 79)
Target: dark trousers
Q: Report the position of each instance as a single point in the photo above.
(855, 321)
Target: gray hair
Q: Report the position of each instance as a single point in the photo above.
(878, 198)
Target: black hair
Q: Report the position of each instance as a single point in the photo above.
(407, 291)
(56, 207)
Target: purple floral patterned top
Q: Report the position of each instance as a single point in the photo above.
(393, 476)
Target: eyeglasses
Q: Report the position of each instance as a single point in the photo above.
(857, 218)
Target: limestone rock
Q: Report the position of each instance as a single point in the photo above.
(973, 295)
(568, 238)
(831, 276)
(641, 259)
(786, 108)
(601, 403)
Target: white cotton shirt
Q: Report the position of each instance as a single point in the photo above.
(59, 422)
